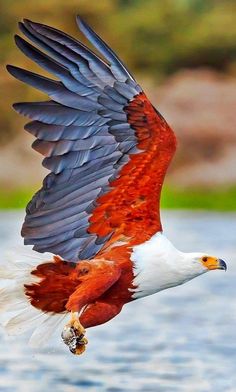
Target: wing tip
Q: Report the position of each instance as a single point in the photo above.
(22, 27)
(18, 40)
(24, 24)
(15, 71)
(16, 106)
(26, 21)
(80, 21)
(9, 68)
(29, 25)
(83, 26)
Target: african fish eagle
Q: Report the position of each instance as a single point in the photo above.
(97, 216)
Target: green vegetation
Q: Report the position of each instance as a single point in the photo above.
(208, 199)
(17, 198)
(219, 200)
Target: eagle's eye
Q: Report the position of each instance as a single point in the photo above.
(205, 258)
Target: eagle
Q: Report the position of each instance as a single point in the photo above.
(95, 224)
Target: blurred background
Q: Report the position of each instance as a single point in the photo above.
(182, 52)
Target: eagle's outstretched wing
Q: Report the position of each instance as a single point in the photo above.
(106, 146)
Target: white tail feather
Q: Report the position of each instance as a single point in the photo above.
(43, 333)
(22, 316)
(11, 298)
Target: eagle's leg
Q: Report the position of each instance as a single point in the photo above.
(99, 312)
(96, 277)
(73, 335)
(94, 314)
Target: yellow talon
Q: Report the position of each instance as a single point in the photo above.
(75, 323)
(81, 346)
(73, 335)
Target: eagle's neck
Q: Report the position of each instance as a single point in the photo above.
(158, 265)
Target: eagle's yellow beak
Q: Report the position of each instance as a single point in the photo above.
(213, 263)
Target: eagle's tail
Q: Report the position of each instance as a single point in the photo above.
(40, 291)
(18, 311)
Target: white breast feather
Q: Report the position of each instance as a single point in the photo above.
(158, 265)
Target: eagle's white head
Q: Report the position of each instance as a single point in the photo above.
(158, 265)
(197, 263)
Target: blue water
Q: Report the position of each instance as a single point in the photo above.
(183, 339)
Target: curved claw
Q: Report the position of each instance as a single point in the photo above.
(73, 336)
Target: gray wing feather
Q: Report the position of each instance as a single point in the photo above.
(83, 132)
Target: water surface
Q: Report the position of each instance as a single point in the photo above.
(182, 339)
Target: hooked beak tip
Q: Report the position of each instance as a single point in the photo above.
(222, 265)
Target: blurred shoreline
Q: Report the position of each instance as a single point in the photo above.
(172, 198)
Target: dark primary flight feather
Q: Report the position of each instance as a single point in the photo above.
(83, 132)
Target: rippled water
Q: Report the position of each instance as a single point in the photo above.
(182, 339)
